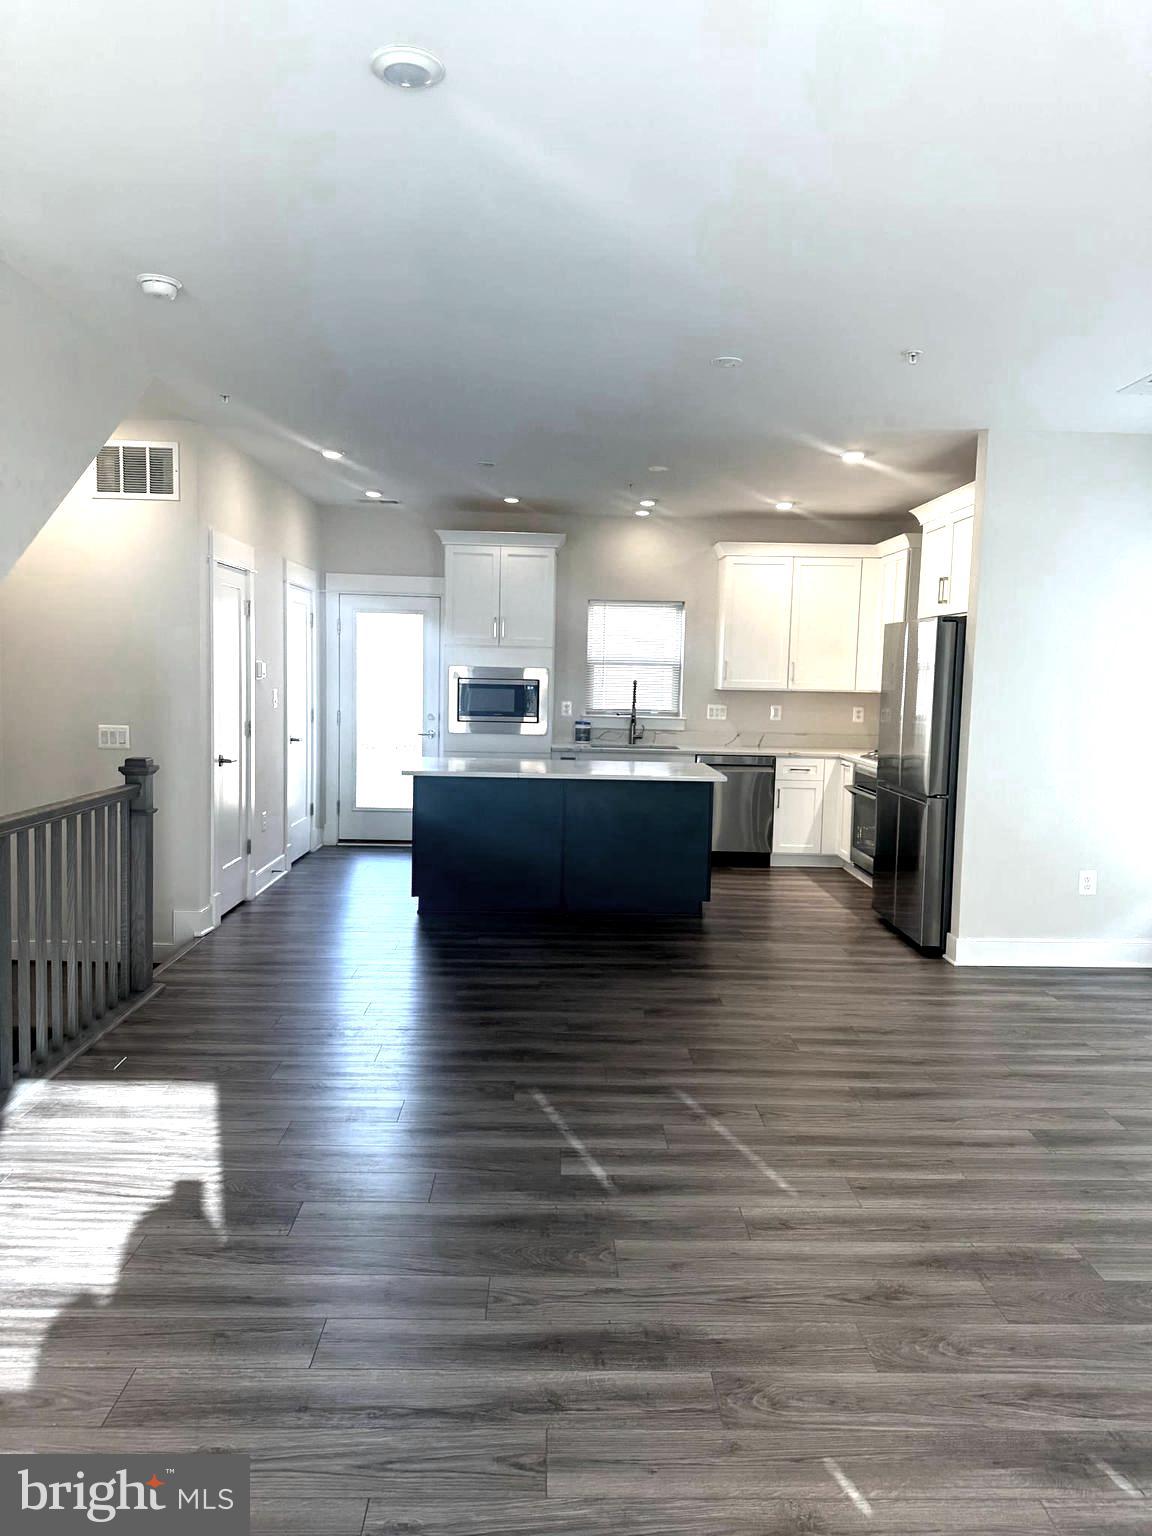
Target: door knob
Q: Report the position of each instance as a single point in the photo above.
(293, 738)
(220, 761)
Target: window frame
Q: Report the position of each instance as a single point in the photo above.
(649, 716)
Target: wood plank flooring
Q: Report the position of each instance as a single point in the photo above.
(757, 1226)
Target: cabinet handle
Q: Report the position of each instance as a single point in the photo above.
(495, 631)
(947, 580)
(791, 671)
(777, 799)
(503, 624)
(725, 669)
(940, 589)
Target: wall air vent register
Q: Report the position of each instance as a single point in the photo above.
(139, 471)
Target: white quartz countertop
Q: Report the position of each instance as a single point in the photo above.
(585, 750)
(622, 768)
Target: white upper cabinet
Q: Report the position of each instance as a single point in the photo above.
(472, 592)
(807, 617)
(755, 616)
(500, 593)
(825, 627)
(527, 596)
(946, 552)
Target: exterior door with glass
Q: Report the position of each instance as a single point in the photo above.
(389, 712)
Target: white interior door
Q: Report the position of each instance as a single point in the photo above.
(389, 713)
(299, 716)
(231, 740)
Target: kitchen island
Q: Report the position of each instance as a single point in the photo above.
(494, 834)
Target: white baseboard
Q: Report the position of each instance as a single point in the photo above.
(261, 879)
(330, 836)
(189, 925)
(806, 861)
(1073, 954)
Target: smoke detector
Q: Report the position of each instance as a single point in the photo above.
(412, 69)
(156, 286)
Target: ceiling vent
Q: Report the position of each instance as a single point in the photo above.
(1141, 387)
(139, 471)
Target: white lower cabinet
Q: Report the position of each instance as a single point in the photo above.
(798, 823)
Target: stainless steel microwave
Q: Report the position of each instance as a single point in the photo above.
(498, 701)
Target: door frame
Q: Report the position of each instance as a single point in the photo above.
(223, 549)
(338, 584)
(302, 577)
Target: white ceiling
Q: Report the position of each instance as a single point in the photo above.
(535, 262)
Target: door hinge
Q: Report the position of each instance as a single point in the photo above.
(337, 807)
(247, 607)
(312, 808)
(337, 717)
(339, 627)
(311, 619)
(248, 848)
(248, 728)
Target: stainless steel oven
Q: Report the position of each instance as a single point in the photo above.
(498, 701)
(863, 792)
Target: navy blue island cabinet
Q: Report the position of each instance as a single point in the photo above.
(548, 843)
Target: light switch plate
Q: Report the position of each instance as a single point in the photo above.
(113, 738)
(717, 711)
(1087, 883)
(774, 712)
(566, 707)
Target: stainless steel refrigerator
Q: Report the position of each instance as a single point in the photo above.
(916, 777)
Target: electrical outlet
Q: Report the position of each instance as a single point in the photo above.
(113, 738)
(717, 711)
(1087, 886)
(857, 714)
(566, 707)
(774, 712)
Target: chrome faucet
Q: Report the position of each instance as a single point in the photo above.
(635, 729)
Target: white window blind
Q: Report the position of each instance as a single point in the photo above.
(641, 641)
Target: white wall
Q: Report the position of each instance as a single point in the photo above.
(628, 558)
(1057, 722)
(104, 620)
(62, 390)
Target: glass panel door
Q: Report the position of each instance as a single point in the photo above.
(389, 710)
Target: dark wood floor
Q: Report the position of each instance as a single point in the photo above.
(761, 1225)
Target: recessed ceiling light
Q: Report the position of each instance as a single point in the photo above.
(512, 501)
(154, 285)
(727, 362)
(853, 456)
(648, 502)
(374, 495)
(657, 469)
(412, 69)
(643, 510)
(785, 506)
(331, 453)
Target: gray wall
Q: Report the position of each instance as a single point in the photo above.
(1058, 734)
(103, 620)
(658, 557)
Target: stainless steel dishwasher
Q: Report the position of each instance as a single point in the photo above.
(742, 807)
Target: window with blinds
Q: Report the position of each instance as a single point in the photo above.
(635, 641)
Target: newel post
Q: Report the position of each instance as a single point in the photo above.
(139, 772)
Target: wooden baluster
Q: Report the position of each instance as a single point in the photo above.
(56, 924)
(6, 1064)
(125, 983)
(99, 888)
(71, 928)
(84, 919)
(40, 930)
(112, 926)
(23, 953)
